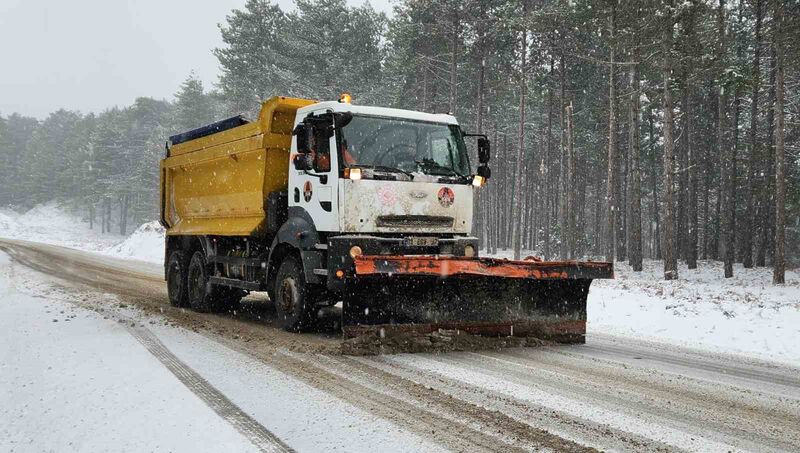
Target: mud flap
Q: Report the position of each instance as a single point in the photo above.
(484, 305)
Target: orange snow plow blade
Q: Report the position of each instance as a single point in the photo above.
(482, 296)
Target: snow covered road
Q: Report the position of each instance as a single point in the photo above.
(610, 394)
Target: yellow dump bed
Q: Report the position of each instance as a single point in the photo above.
(218, 184)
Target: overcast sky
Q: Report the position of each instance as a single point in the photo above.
(89, 55)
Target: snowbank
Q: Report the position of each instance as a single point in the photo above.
(145, 244)
(52, 223)
(745, 314)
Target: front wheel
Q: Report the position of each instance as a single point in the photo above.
(292, 302)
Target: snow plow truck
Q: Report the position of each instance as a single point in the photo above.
(367, 210)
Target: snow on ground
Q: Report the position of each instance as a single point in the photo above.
(145, 244)
(52, 223)
(73, 381)
(745, 314)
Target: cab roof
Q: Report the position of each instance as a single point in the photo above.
(336, 106)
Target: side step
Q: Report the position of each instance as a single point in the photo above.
(232, 282)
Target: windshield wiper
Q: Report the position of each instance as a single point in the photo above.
(431, 165)
(385, 169)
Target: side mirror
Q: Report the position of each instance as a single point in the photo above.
(484, 150)
(305, 136)
(485, 172)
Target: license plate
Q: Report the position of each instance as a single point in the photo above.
(421, 241)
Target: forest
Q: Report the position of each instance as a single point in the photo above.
(621, 130)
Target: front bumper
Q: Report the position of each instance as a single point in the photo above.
(338, 256)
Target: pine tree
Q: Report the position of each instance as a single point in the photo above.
(193, 107)
(253, 58)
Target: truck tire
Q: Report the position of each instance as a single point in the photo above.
(176, 279)
(292, 302)
(202, 296)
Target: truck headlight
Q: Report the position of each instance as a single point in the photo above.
(469, 251)
(355, 251)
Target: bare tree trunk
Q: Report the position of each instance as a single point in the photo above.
(690, 237)
(599, 207)
(123, 214)
(768, 229)
(480, 203)
(108, 215)
(778, 275)
(91, 216)
(669, 241)
(425, 83)
(620, 190)
(726, 155)
(708, 179)
(691, 208)
(571, 183)
(612, 145)
(562, 170)
(737, 109)
(635, 201)
(508, 194)
(495, 204)
(747, 221)
(547, 166)
(655, 211)
(518, 186)
(580, 210)
(454, 60)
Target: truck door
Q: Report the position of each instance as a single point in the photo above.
(315, 190)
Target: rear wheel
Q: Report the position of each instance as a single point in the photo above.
(176, 279)
(202, 296)
(292, 302)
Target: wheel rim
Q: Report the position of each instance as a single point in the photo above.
(195, 278)
(288, 296)
(174, 279)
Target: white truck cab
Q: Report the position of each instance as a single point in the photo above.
(374, 170)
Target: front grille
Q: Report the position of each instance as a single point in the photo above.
(404, 221)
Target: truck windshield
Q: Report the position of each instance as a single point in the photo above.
(404, 145)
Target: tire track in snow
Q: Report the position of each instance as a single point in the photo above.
(255, 432)
(552, 421)
(458, 411)
(251, 429)
(504, 381)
